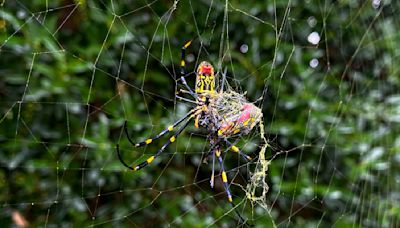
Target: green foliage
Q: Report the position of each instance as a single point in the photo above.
(71, 73)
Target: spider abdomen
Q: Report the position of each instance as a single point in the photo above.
(230, 113)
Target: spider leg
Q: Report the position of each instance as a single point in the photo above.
(212, 153)
(213, 169)
(165, 131)
(183, 70)
(186, 100)
(237, 150)
(196, 122)
(223, 174)
(225, 182)
(162, 149)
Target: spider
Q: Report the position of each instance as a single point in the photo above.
(223, 114)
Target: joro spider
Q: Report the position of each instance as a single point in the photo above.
(223, 114)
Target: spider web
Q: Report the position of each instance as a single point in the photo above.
(72, 72)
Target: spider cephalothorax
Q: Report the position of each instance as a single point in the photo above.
(205, 78)
(224, 114)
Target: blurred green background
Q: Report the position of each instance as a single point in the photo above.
(71, 73)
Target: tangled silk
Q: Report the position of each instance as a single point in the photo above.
(231, 115)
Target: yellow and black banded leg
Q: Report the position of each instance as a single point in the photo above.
(165, 131)
(225, 182)
(237, 150)
(183, 69)
(162, 149)
(223, 174)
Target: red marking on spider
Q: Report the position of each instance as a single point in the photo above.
(205, 69)
(246, 112)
